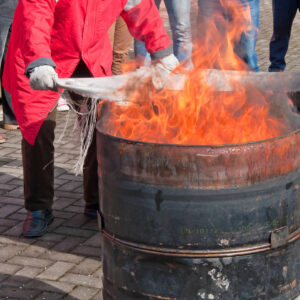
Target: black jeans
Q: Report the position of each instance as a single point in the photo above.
(38, 163)
(284, 12)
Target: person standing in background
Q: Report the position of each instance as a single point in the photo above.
(7, 9)
(121, 40)
(245, 48)
(180, 23)
(284, 12)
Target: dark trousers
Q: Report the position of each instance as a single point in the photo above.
(38, 163)
(284, 12)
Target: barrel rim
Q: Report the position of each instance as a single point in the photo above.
(99, 128)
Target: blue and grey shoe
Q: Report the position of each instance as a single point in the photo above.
(37, 222)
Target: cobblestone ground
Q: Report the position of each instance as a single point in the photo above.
(65, 263)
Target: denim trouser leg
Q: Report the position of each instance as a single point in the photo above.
(8, 113)
(245, 48)
(139, 46)
(248, 39)
(179, 17)
(283, 16)
(180, 22)
(4, 30)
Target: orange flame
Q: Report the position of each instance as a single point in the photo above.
(199, 115)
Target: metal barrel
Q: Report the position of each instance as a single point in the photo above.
(192, 222)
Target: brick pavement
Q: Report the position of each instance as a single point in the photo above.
(65, 263)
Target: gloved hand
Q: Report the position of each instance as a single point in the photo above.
(161, 70)
(43, 78)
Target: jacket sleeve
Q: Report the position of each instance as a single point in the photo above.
(36, 21)
(145, 24)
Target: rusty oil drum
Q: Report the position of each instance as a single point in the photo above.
(200, 222)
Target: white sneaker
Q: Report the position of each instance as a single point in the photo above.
(62, 104)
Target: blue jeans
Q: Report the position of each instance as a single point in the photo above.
(179, 17)
(245, 48)
(283, 16)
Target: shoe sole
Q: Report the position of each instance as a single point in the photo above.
(63, 108)
(41, 233)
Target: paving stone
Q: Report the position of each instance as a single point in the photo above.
(16, 181)
(69, 195)
(59, 256)
(63, 214)
(60, 204)
(11, 200)
(3, 229)
(17, 192)
(57, 270)
(61, 158)
(88, 251)
(50, 296)
(16, 230)
(79, 202)
(9, 251)
(20, 241)
(94, 241)
(17, 293)
(75, 209)
(56, 223)
(98, 273)
(30, 261)
(8, 209)
(77, 221)
(7, 187)
(3, 277)
(91, 225)
(37, 249)
(18, 217)
(73, 231)
(82, 280)
(51, 286)
(29, 272)
(87, 267)
(98, 296)
(9, 268)
(5, 178)
(70, 186)
(52, 237)
(68, 243)
(70, 177)
(81, 292)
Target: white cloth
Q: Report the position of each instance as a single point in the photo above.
(43, 78)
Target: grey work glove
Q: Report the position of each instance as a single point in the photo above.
(161, 70)
(43, 78)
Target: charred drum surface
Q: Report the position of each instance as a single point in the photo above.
(200, 222)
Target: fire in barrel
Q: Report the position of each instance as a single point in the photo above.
(200, 189)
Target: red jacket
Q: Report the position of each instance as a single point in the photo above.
(61, 32)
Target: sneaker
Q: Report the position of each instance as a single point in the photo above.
(90, 210)
(62, 104)
(37, 222)
(10, 126)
